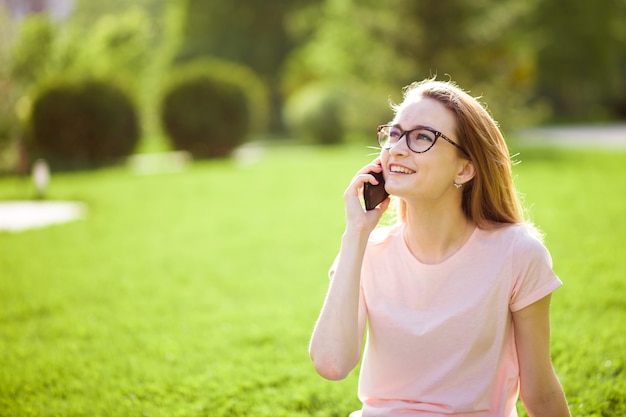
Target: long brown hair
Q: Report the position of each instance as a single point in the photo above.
(490, 197)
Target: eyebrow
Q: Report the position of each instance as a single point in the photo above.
(415, 127)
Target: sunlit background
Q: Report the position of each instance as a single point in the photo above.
(171, 174)
(322, 70)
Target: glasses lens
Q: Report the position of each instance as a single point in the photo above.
(418, 140)
(388, 136)
(421, 140)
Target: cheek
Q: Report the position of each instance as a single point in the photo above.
(438, 174)
(384, 156)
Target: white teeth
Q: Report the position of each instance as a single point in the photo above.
(402, 170)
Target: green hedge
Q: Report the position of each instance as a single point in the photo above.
(209, 107)
(83, 124)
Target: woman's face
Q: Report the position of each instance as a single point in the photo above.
(429, 175)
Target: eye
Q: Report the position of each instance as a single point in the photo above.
(423, 135)
(394, 134)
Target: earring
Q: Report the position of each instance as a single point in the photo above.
(458, 185)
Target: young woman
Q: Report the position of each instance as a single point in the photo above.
(456, 294)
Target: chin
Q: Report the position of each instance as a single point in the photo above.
(394, 190)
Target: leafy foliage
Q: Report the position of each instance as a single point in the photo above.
(20, 65)
(205, 112)
(115, 47)
(84, 124)
(253, 87)
(33, 50)
(582, 56)
(316, 112)
(394, 43)
(253, 33)
(42, 52)
(9, 125)
(531, 60)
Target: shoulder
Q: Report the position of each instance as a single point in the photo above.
(528, 254)
(519, 235)
(383, 240)
(529, 241)
(384, 234)
(521, 243)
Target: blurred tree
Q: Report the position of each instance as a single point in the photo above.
(114, 47)
(316, 113)
(372, 48)
(42, 50)
(135, 33)
(21, 65)
(130, 42)
(8, 93)
(87, 12)
(32, 52)
(582, 56)
(251, 32)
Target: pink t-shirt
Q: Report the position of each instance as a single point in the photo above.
(440, 337)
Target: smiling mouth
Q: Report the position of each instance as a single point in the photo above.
(400, 170)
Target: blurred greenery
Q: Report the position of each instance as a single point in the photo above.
(533, 61)
(316, 113)
(82, 124)
(253, 87)
(252, 32)
(206, 111)
(195, 294)
(582, 58)
(111, 44)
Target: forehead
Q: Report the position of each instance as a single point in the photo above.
(422, 111)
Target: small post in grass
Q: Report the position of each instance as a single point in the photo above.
(41, 178)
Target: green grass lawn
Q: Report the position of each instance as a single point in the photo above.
(194, 294)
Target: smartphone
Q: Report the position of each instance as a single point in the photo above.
(374, 194)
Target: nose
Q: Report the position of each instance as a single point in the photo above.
(400, 148)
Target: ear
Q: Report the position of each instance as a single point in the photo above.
(466, 172)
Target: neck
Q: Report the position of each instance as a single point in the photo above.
(434, 235)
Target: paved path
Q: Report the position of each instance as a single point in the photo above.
(16, 216)
(611, 136)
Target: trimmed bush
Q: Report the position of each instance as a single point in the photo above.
(315, 112)
(210, 106)
(84, 124)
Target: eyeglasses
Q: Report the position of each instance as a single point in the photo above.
(419, 140)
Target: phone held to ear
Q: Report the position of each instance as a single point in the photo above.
(374, 194)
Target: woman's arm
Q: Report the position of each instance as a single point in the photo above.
(338, 335)
(541, 390)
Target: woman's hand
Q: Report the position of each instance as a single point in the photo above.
(358, 219)
(337, 340)
(336, 344)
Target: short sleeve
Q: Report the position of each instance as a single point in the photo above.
(532, 268)
(378, 236)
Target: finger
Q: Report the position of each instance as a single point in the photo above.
(360, 179)
(373, 167)
(355, 189)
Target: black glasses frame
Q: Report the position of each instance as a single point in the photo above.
(405, 133)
